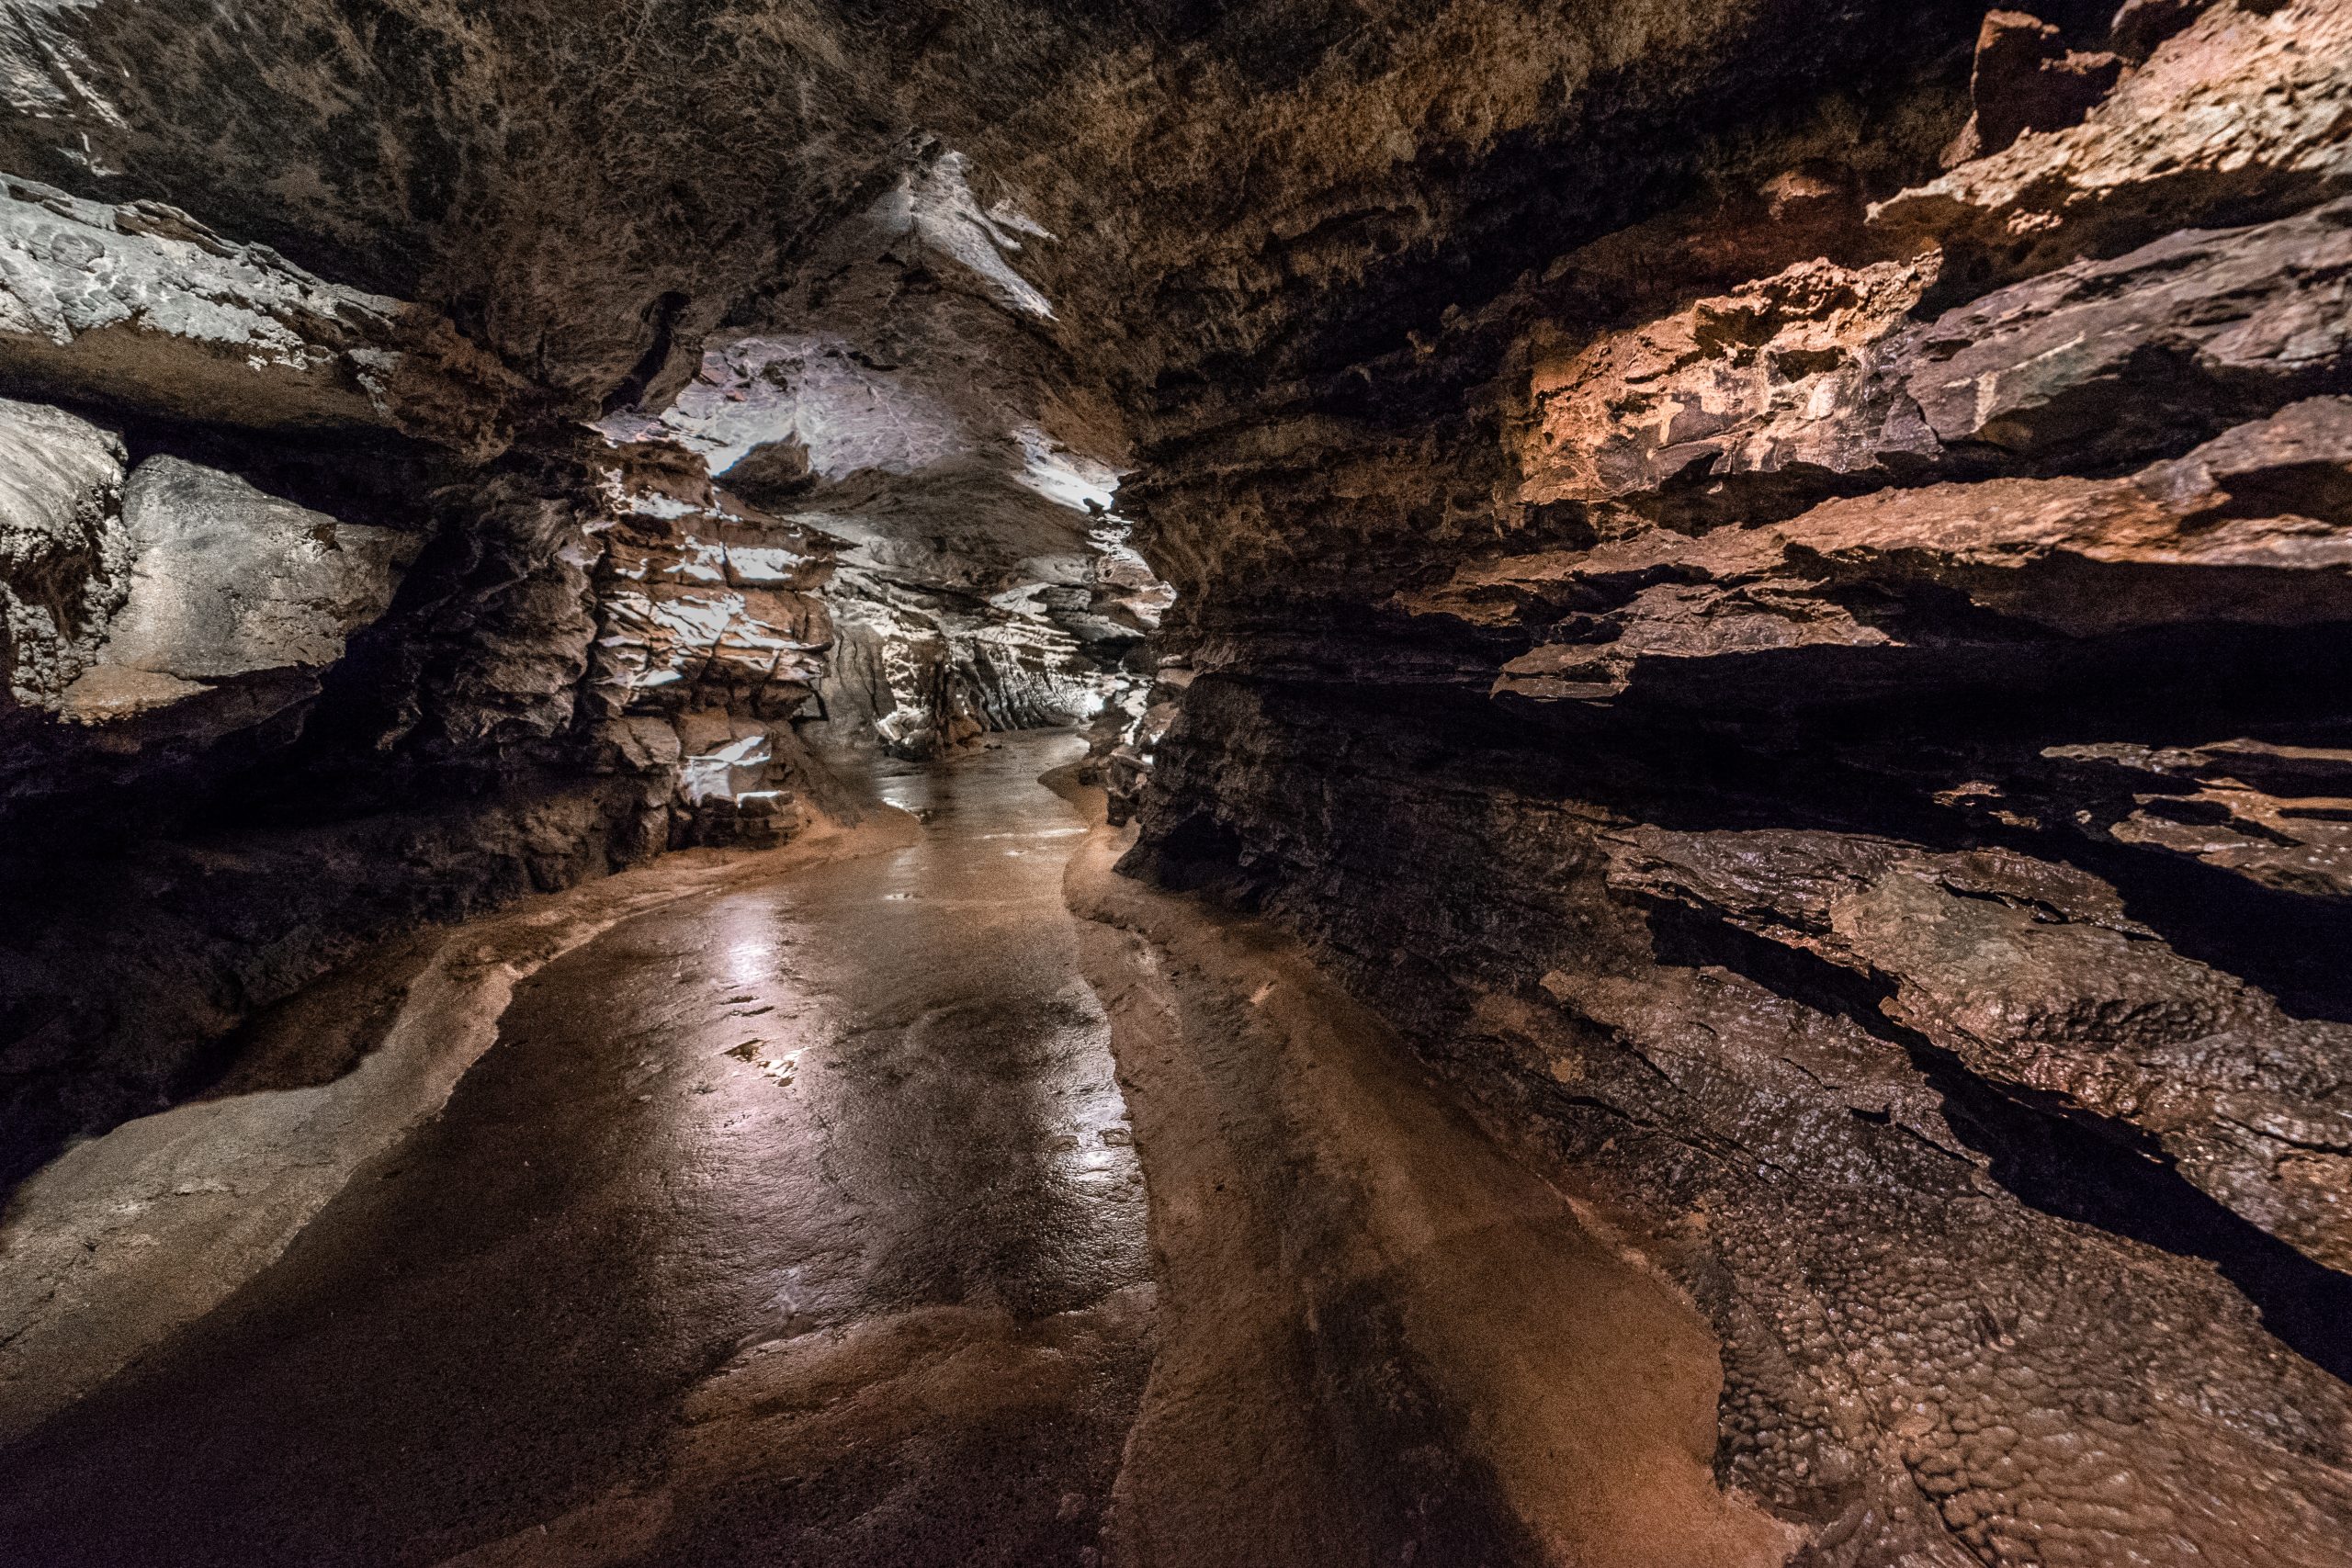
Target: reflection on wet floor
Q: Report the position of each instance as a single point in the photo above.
(848, 1142)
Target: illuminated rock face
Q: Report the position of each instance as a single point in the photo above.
(227, 581)
(1838, 726)
(62, 547)
(1769, 582)
(142, 305)
(132, 593)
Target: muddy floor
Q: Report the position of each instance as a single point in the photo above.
(800, 1220)
(794, 1224)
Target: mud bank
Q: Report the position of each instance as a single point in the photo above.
(1381, 1339)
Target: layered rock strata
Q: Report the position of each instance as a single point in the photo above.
(1831, 739)
(299, 655)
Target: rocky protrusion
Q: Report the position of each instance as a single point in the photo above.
(228, 582)
(2254, 527)
(2241, 115)
(2139, 25)
(1817, 380)
(773, 473)
(143, 306)
(710, 643)
(2033, 977)
(2027, 79)
(2275, 814)
(63, 551)
(1834, 731)
(127, 595)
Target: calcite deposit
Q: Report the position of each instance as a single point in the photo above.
(1769, 585)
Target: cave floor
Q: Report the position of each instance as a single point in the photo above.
(800, 1223)
(799, 1220)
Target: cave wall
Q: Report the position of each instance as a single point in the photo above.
(316, 632)
(1824, 710)
(515, 631)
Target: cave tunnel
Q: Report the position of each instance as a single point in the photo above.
(1241, 784)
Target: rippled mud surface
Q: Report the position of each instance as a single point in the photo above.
(800, 1223)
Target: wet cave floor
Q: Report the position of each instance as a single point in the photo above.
(800, 1219)
(800, 1223)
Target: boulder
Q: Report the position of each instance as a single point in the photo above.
(226, 583)
(64, 553)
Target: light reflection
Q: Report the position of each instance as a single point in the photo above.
(748, 958)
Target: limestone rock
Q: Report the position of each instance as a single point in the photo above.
(2250, 528)
(1984, 586)
(2027, 79)
(1912, 912)
(1677, 1008)
(2114, 360)
(2139, 25)
(142, 305)
(708, 642)
(1816, 380)
(63, 550)
(228, 582)
(2275, 814)
(2240, 114)
(893, 677)
(662, 642)
(1774, 375)
(2033, 977)
(771, 472)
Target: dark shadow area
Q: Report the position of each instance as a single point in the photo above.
(1202, 854)
(1411, 1460)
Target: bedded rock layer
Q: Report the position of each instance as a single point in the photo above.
(1825, 712)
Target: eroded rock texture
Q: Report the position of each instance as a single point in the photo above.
(1769, 581)
(1823, 704)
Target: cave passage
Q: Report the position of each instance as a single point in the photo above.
(1176, 783)
(858, 1123)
